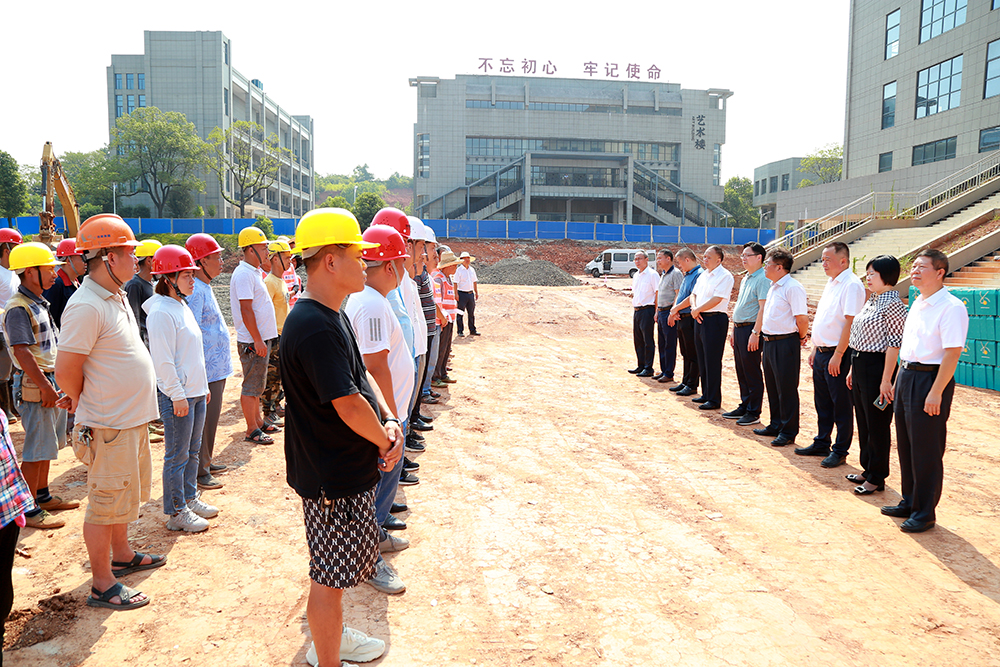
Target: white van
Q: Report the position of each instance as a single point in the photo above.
(616, 262)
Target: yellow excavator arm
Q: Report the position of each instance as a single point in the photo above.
(54, 184)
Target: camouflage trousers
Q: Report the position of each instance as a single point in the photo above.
(271, 398)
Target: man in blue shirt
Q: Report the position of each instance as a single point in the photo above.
(745, 339)
(680, 315)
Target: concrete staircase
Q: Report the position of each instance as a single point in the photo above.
(896, 242)
(983, 273)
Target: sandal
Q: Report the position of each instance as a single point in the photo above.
(269, 428)
(135, 565)
(99, 599)
(259, 437)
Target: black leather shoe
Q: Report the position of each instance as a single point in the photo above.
(665, 378)
(813, 450)
(767, 431)
(658, 376)
(424, 418)
(645, 373)
(709, 405)
(700, 399)
(393, 523)
(398, 508)
(421, 426)
(862, 491)
(734, 414)
(833, 460)
(678, 388)
(413, 435)
(898, 511)
(914, 526)
(748, 420)
(635, 371)
(687, 391)
(782, 440)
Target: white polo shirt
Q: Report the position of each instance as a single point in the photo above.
(785, 300)
(843, 297)
(465, 279)
(717, 282)
(934, 325)
(644, 287)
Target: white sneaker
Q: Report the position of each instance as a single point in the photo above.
(393, 543)
(354, 645)
(188, 521)
(202, 509)
(386, 579)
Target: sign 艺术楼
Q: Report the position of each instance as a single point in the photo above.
(590, 68)
(698, 130)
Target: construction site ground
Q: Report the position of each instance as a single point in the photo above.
(568, 514)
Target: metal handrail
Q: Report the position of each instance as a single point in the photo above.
(957, 184)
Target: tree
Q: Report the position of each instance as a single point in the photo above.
(825, 164)
(397, 182)
(361, 173)
(13, 193)
(365, 208)
(180, 203)
(159, 149)
(337, 202)
(253, 169)
(264, 224)
(32, 177)
(92, 177)
(738, 202)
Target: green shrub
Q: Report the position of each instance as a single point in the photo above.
(264, 224)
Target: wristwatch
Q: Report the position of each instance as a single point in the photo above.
(389, 419)
(754, 333)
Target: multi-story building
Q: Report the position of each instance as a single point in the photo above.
(572, 150)
(923, 98)
(192, 72)
(774, 178)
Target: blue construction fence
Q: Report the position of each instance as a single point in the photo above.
(29, 225)
(597, 231)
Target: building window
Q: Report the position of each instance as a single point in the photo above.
(989, 139)
(225, 100)
(774, 184)
(424, 155)
(885, 162)
(992, 86)
(892, 34)
(939, 88)
(141, 77)
(888, 105)
(756, 188)
(142, 101)
(119, 106)
(129, 81)
(785, 182)
(939, 16)
(934, 151)
(717, 165)
(131, 103)
(763, 186)
(118, 81)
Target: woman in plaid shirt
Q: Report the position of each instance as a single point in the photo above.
(15, 500)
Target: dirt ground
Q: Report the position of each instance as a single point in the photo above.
(568, 514)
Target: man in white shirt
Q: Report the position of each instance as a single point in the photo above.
(644, 284)
(933, 338)
(783, 331)
(709, 303)
(843, 298)
(467, 286)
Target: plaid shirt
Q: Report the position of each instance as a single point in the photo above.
(15, 498)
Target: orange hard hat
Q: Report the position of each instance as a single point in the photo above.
(105, 230)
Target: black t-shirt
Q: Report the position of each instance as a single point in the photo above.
(320, 362)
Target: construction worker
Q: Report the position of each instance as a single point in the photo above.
(110, 383)
(181, 387)
(340, 432)
(207, 254)
(256, 330)
(140, 287)
(32, 336)
(279, 254)
(9, 238)
(68, 277)
(292, 280)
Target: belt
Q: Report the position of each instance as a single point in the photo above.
(743, 324)
(660, 310)
(711, 314)
(466, 291)
(772, 337)
(643, 307)
(914, 366)
(683, 315)
(831, 348)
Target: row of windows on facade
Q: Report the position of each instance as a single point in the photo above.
(760, 187)
(943, 149)
(499, 147)
(560, 106)
(585, 177)
(939, 87)
(122, 100)
(936, 18)
(132, 81)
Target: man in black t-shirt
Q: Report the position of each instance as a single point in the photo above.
(339, 432)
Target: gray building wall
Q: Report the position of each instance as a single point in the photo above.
(192, 73)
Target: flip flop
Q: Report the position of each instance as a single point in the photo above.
(135, 565)
(99, 599)
(259, 437)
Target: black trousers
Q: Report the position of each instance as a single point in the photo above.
(834, 405)
(444, 351)
(642, 336)
(8, 543)
(666, 341)
(782, 361)
(748, 370)
(920, 440)
(466, 302)
(874, 425)
(710, 341)
(685, 336)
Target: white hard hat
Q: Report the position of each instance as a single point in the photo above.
(430, 237)
(417, 232)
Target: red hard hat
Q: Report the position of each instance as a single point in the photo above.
(171, 259)
(67, 248)
(202, 245)
(8, 235)
(393, 217)
(390, 244)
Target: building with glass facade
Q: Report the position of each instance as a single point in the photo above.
(575, 150)
(192, 72)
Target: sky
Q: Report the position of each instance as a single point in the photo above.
(348, 67)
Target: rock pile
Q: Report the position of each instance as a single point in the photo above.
(522, 271)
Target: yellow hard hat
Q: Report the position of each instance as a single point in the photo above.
(32, 254)
(278, 246)
(148, 248)
(251, 236)
(326, 226)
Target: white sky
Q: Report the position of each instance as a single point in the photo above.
(785, 61)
